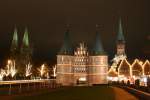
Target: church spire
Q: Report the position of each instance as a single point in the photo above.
(26, 38)
(120, 36)
(15, 40)
(66, 47)
(120, 41)
(98, 48)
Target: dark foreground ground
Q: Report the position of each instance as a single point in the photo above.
(76, 93)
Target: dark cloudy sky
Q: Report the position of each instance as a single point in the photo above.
(47, 19)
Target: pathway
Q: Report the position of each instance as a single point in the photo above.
(121, 94)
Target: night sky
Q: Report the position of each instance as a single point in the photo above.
(47, 19)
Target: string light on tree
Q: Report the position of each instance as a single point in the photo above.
(42, 70)
(2, 74)
(28, 69)
(54, 71)
(11, 69)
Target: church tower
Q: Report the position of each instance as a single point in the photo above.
(120, 41)
(14, 46)
(64, 62)
(98, 62)
(26, 50)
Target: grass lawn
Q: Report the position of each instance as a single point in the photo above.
(74, 93)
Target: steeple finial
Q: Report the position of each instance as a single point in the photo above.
(120, 31)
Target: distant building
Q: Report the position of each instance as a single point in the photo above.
(14, 46)
(14, 49)
(124, 69)
(120, 45)
(120, 41)
(82, 66)
(25, 51)
(121, 69)
(146, 68)
(137, 70)
(22, 55)
(120, 55)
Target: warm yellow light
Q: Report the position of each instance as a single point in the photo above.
(28, 70)
(54, 71)
(11, 69)
(9, 61)
(42, 70)
(2, 74)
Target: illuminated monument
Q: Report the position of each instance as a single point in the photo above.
(120, 55)
(25, 51)
(22, 56)
(14, 46)
(120, 41)
(81, 65)
(120, 45)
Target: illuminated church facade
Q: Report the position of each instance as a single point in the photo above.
(22, 55)
(81, 65)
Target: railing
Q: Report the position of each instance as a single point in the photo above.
(24, 86)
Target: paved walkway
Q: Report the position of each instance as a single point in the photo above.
(121, 94)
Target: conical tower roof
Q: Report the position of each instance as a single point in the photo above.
(120, 36)
(66, 47)
(14, 44)
(98, 47)
(26, 38)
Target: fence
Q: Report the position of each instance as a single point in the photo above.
(23, 86)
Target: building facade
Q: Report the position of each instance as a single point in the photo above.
(81, 65)
(123, 70)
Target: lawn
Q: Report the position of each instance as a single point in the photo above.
(74, 93)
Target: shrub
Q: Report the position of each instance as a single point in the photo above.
(137, 82)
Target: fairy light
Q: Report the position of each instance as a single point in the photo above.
(125, 60)
(112, 70)
(112, 73)
(117, 59)
(42, 70)
(54, 71)
(28, 69)
(136, 61)
(11, 69)
(2, 74)
(146, 63)
(8, 68)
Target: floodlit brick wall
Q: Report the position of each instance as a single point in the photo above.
(98, 70)
(64, 70)
(94, 70)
